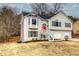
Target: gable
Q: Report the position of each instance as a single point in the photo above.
(61, 17)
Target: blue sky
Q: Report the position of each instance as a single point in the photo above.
(71, 9)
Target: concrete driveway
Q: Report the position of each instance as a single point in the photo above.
(74, 39)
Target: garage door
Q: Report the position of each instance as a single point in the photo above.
(57, 35)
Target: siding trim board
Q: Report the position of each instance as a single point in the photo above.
(33, 28)
(59, 30)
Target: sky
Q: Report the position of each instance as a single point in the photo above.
(70, 9)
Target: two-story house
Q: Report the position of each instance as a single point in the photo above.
(36, 27)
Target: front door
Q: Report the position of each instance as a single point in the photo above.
(43, 29)
(43, 36)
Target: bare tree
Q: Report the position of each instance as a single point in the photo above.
(56, 7)
(46, 7)
(9, 22)
(39, 7)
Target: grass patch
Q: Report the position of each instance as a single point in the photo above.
(40, 48)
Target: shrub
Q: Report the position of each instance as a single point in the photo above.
(66, 38)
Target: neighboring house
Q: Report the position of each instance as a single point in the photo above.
(75, 30)
(36, 27)
(76, 27)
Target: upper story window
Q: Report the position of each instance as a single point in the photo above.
(34, 21)
(56, 23)
(67, 24)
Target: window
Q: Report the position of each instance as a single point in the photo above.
(34, 21)
(55, 23)
(67, 24)
(32, 33)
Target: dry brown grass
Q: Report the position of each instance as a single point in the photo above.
(43, 48)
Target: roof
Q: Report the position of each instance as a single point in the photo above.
(47, 16)
(44, 16)
(74, 19)
(25, 13)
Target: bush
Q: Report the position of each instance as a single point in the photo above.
(66, 38)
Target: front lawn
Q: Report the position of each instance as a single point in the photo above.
(55, 48)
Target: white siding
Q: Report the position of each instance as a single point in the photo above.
(61, 18)
(30, 25)
(61, 34)
(24, 29)
(57, 32)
